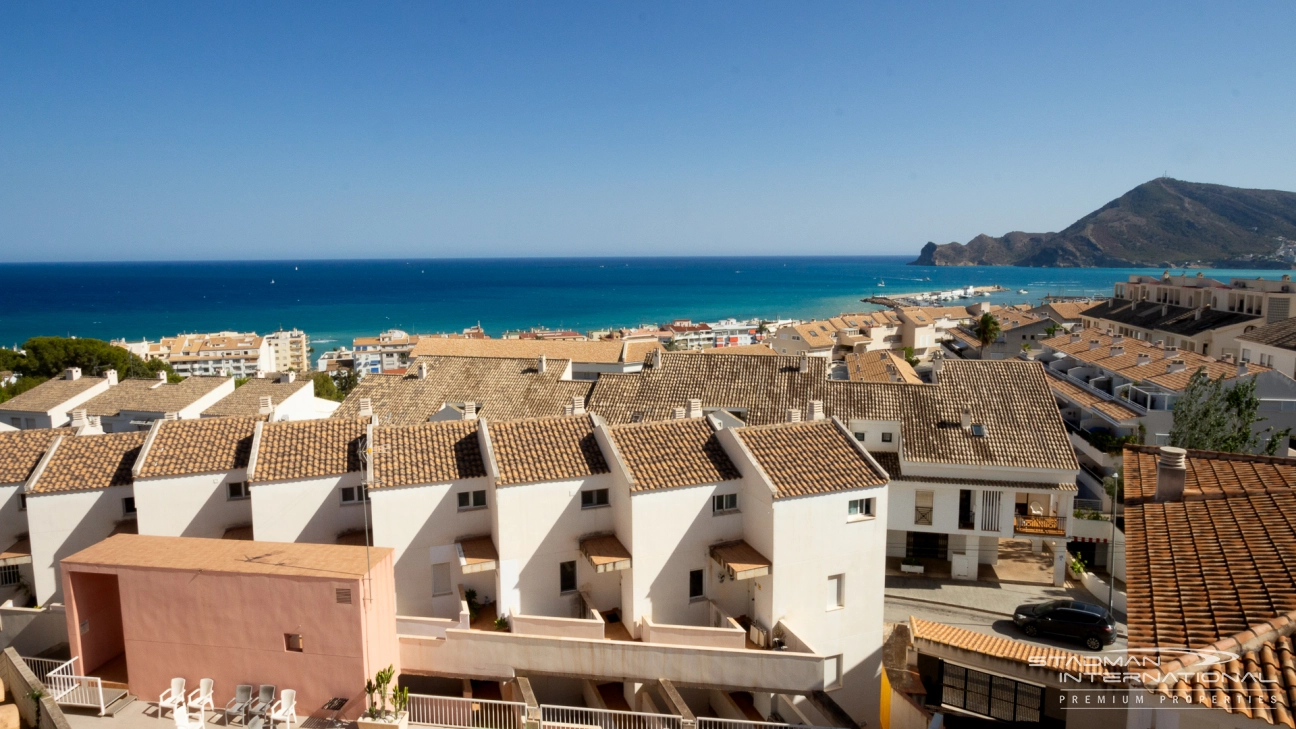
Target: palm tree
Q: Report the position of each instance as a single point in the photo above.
(987, 329)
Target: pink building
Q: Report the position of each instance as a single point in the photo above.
(318, 618)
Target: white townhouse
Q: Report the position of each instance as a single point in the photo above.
(50, 404)
(133, 405)
(1272, 345)
(281, 397)
(20, 452)
(79, 494)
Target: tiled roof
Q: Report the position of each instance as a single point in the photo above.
(1127, 363)
(965, 337)
(90, 462)
(807, 458)
(880, 366)
(21, 450)
(309, 449)
(1260, 684)
(1073, 392)
(1065, 311)
(1281, 334)
(1181, 320)
(817, 334)
(503, 388)
(757, 349)
(890, 462)
(603, 351)
(50, 394)
(152, 396)
(545, 449)
(672, 453)
(190, 554)
(246, 400)
(1023, 427)
(426, 453)
(1005, 648)
(205, 445)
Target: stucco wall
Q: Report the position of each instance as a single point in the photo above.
(63, 524)
(309, 510)
(190, 506)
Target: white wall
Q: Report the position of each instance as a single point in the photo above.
(309, 510)
(196, 505)
(62, 524)
(300, 405)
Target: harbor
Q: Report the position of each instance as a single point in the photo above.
(927, 298)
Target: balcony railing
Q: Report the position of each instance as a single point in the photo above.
(1043, 525)
(573, 716)
(461, 713)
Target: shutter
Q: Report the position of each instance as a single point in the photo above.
(990, 510)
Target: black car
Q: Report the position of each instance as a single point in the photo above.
(1071, 619)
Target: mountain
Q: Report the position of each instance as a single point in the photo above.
(1164, 222)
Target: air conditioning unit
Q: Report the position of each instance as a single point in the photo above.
(758, 635)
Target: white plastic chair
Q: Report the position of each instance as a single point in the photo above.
(201, 697)
(173, 698)
(185, 720)
(285, 709)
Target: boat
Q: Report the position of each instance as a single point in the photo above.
(881, 284)
(1022, 291)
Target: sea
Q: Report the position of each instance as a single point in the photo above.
(337, 300)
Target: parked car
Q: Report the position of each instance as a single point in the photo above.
(1071, 619)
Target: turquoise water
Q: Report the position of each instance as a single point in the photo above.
(335, 301)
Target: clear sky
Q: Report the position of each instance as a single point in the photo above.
(185, 130)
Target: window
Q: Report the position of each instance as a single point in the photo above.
(15, 422)
(128, 506)
(9, 575)
(697, 584)
(886, 437)
(293, 642)
(354, 494)
(861, 509)
(836, 591)
(566, 577)
(472, 499)
(441, 579)
(721, 503)
(594, 498)
(237, 490)
(860, 437)
(22, 502)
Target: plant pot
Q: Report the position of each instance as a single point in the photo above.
(916, 569)
(400, 722)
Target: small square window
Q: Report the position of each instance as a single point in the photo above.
(237, 490)
(354, 494)
(566, 577)
(721, 503)
(128, 506)
(886, 437)
(472, 499)
(293, 642)
(862, 508)
(697, 584)
(594, 498)
(860, 437)
(9, 575)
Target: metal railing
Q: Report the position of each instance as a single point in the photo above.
(571, 716)
(709, 723)
(461, 713)
(1050, 525)
(1090, 504)
(42, 667)
(65, 686)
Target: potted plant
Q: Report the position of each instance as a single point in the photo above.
(912, 565)
(387, 705)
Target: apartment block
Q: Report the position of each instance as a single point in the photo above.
(387, 352)
(230, 354)
(290, 350)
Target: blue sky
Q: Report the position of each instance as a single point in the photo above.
(154, 131)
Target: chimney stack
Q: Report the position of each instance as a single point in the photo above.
(938, 364)
(805, 363)
(1118, 339)
(816, 410)
(965, 418)
(694, 409)
(78, 418)
(541, 363)
(264, 405)
(170, 416)
(260, 375)
(1094, 344)
(1159, 344)
(470, 411)
(578, 405)
(162, 376)
(1197, 315)
(1170, 353)
(366, 407)
(678, 413)
(657, 359)
(1227, 359)
(72, 373)
(1172, 471)
(422, 370)
(1241, 369)
(1117, 351)
(1175, 365)
(793, 415)
(1076, 337)
(288, 377)
(1144, 359)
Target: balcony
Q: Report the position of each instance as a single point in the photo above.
(1046, 526)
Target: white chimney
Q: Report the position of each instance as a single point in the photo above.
(1144, 359)
(470, 411)
(111, 376)
(1172, 472)
(794, 415)
(1159, 344)
(1117, 351)
(1197, 315)
(291, 377)
(540, 365)
(1094, 344)
(260, 375)
(805, 363)
(694, 409)
(678, 413)
(938, 364)
(1175, 365)
(264, 405)
(816, 410)
(422, 370)
(567, 409)
(1170, 353)
(1076, 337)
(578, 405)
(170, 416)
(162, 376)
(72, 373)
(965, 418)
(78, 418)
(1241, 369)
(366, 407)
(1227, 359)
(1118, 339)
(657, 359)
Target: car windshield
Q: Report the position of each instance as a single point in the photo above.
(1044, 607)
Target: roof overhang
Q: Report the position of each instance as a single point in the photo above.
(741, 560)
(18, 553)
(476, 554)
(605, 553)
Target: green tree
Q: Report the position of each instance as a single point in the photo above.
(987, 329)
(1052, 330)
(909, 357)
(1214, 417)
(345, 380)
(50, 356)
(325, 388)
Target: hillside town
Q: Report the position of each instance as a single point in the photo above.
(909, 517)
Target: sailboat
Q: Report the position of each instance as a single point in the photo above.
(881, 284)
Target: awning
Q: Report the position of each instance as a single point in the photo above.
(606, 553)
(476, 554)
(19, 553)
(741, 560)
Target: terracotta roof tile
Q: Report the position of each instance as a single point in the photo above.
(152, 396)
(21, 451)
(50, 394)
(756, 349)
(206, 445)
(997, 647)
(605, 351)
(880, 366)
(426, 453)
(309, 449)
(807, 458)
(90, 462)
(317, 561)
(545, 449)
(1127, 364)
(1260, 684)
(1074, 393)
(890, 462)
(246, 400)
(672, 453)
